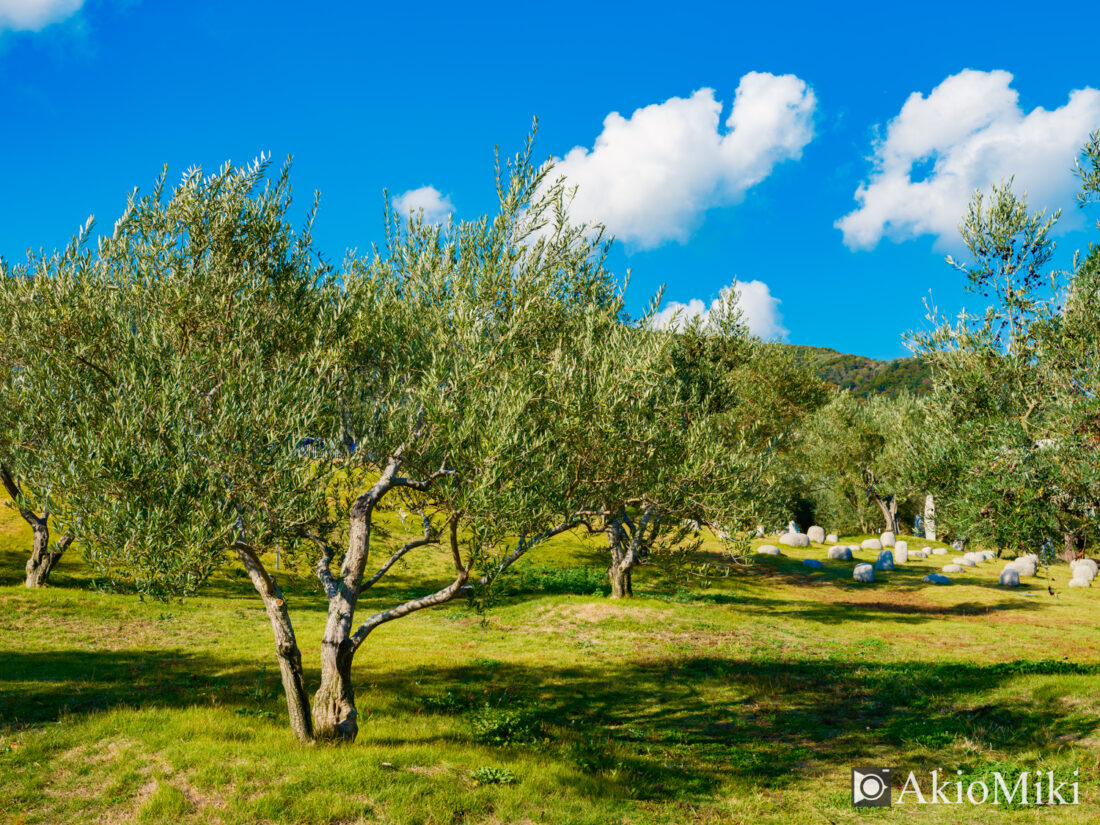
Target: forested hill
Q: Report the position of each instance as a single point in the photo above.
(865, 376)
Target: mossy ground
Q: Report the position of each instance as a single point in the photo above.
(748, 701)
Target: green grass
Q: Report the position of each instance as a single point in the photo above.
(746, 702)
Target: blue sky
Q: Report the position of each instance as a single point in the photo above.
(910, 107)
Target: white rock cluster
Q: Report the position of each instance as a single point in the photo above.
(795, 539)
(1010, 578)
(1024, 565)
(1084, 571)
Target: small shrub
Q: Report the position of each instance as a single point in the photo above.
(487, 775)
(505, 725)
(448, 702)
(581, 581)
(592, 755)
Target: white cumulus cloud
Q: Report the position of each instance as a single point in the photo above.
(435, 204)
(650, 177)
(760, 308)
(33, 15)
(968, 133)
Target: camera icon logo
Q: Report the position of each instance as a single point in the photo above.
(871, 787)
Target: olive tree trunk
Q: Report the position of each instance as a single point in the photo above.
(622, 562)
(43, 559)
(287, 652)
(334, 709)
(889, 507)
(1073, 545)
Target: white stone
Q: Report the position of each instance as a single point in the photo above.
(885, 561)
(1076, 582)
(794, 540)
(936, 578)
(768, 550)
(816, 534)
(863, 573)
(975, 558)
(952, 568)
(832, 538)
(887, 539)
(814, 563)
(1083, 569)
(939, 551)
(963, 561)
(841, 553)
(871, 544)
(901, 545)
(901, 556)
(1010, 577)
(989, 555)
(1023, 565)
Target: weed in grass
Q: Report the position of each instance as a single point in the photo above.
(488, 775)
(507, 725)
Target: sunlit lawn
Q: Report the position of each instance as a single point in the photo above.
(746, 702)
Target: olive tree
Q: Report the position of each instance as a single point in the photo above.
(856, 453)
(1014, 398)
(240, 397)
(34, 413)
(650, 418)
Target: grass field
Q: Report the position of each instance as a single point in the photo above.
(746, 702)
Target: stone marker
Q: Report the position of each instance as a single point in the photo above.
(930, 518)
(901, 545)
(963, 561)
(1083, 569)
(976, 558)
(901, 554)
(887, 539)
(1010, 577)
(952, 568)
(863, 573)
(841, 553)
(936, 578)
(832, 538)
(1075, 582)
(813, 563)
(816, 534)
(768, 550)
(988, 555)
(794, 540)
(885, 561)
(939, 551)
(1023, 565)
(871, 544)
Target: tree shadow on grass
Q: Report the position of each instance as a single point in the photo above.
(662, 729)
(47, 686)
(760, 721)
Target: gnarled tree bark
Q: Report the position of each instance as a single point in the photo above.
(42, 559)
(287, 652)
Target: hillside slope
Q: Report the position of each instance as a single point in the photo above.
(865, 376)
